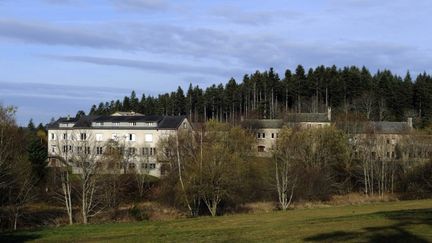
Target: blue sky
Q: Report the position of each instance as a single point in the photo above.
(60, 56)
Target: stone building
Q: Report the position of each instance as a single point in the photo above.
(267, 130)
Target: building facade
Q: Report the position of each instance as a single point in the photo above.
(389, 141)
(93, 137)
(267, 130)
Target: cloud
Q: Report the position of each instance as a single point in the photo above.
(140, 5)
(43, 101)
(44, 33)
(244, 49)
(238, 15)
(59, 1)
(159, 67)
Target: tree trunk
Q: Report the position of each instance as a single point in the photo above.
(180, 176)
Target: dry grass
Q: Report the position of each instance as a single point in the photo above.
(348, 199)
(357, 198)
(158, 212)
(260, 207)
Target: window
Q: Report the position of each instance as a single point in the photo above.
(132, 123)
(131, 137)
(263, 135)
(83, 136)
(65, 148)
(258, 135)
(116, 124)
(388, 141)
(131, 165)
(145, 151)
(184, 125)
(309, 125)
(53, 148)
(148, 166)
(99, 150)
(261, 149)
(393, 154)
(132, 151)
(53, 136)
(388, 154)
(148, 138)
(79, 150)
(87, 150)
(167, 152)
(99, 137)
(65, 137)
(273, 135)
(373, 155)
(152, 151)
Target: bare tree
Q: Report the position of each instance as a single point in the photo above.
(284, 163)
(207, 163)
(16, 181)
(77, 149)
(21, 193)
(9, 142)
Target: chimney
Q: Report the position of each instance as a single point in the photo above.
(68, 117)
(329, 113)
(410, 122)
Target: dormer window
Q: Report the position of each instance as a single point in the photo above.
(66, 124)
(116, 124)
(132, 123)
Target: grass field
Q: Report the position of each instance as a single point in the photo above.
(405, 221)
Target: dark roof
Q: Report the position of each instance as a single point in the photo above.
(290, 119)
(56, 124)
(171, 122)
(390, 127)
(67, 119)
(163, 122)
(264, 123)
(381, 127)
(85, 121)
(306, 117)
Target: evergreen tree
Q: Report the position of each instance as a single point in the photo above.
(37, 153)
(80, 114)
(31, 126)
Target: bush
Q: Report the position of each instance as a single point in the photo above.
(138, 214)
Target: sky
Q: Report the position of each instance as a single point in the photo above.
(61, 56)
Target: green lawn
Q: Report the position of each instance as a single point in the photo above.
(405, 221)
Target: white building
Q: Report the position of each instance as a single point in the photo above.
(136, 134)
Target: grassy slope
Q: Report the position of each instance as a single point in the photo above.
(404, 221)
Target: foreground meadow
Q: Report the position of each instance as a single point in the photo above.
(403, 221)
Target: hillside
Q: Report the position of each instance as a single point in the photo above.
(405, 221)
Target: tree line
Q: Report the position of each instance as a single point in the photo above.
(380, 96)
